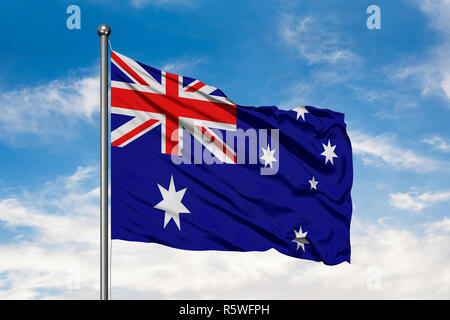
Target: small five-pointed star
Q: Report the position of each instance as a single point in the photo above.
(313, 183)
(268, 156)
(328, 152)
(300, 238)
(171, 204)
(301, 112)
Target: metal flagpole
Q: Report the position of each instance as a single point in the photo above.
(104, 31)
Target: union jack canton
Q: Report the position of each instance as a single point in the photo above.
(157, 98)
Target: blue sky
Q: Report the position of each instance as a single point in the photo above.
(393, 85)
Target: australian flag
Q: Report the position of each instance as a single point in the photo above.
(192, 170)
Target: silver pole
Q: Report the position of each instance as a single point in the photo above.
(104, 31)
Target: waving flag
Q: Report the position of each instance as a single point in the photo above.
(190, 169)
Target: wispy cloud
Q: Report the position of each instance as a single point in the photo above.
(182, 66)
(441, 226)
(82, 173)
(414, 201)
(383, 150)
(432, 75)
(48, 109)
(314, 42)
(61, 210)
(439, 10)
(405, 201)
(54, 237)
(438, 143)
(414, 77)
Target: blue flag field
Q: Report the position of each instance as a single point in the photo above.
(192, 170)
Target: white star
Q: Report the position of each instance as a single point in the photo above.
(329, 153)
(301, 112)
(300, 238)
(268, 156)
(313, 183)
(171, 203)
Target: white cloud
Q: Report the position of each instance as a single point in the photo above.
(432, 75)
(432, 197)
(382, 150)
(53, 238)
(442, 226)
(61, 260)
(315, 90)
(413, 201)
(182, 66)
(314, 41)
(81, 174)
(60, 211)
(439, 143)
(405, 201)
(445, 84)
(52, 227)
(48, 110)
(439, 13)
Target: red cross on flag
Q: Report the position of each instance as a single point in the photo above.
(156, 98)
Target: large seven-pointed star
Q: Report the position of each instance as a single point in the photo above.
(171, 203)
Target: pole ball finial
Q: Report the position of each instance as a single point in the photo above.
(104, 29)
